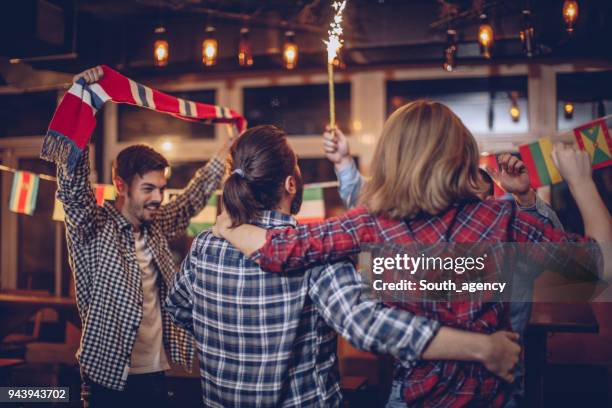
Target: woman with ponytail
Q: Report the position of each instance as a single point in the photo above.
(263, 165)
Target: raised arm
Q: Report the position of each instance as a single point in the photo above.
(337, 151)
(338, 293)
(575, 168)
(82, 214)
(577, 253)
(513, 177)
(174, 216)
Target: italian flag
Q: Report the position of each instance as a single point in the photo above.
(24, 192)
(313, 206)
(538, 159)
(205, 219)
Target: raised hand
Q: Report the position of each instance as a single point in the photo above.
(336, 146)
(91, 75)
(574, 165)
(512, 176)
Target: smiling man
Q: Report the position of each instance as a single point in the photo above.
(122, 267)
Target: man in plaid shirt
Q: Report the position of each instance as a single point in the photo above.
(123, 266)
(269, 339)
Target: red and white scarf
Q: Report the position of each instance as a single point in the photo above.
(75, 118)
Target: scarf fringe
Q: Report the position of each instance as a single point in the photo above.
(59, 149)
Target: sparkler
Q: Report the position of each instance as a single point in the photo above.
(334, 43)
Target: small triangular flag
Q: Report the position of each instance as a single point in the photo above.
(24, 192)
(313, 206)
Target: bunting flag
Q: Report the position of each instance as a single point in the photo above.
(538, 159)
(58, 211)
(74, 119)
(104, 192)
(313, 206)
(24, 192)
(489, 161)
(594, 138)
(205, 219)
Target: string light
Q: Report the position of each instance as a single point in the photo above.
(450, 52)
(209, 47)
(528, 34)
(570, 14)
(161, 49)
(245, 51)
(290, 50)
(485, 36)
(568, 110)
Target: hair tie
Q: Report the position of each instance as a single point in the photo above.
(240, 172)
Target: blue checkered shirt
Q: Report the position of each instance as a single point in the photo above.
(107, 277)
(268, 339)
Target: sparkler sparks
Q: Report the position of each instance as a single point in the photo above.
(334, 42)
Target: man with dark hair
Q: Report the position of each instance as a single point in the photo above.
(122, 267)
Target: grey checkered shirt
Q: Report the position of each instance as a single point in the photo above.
(107, 277)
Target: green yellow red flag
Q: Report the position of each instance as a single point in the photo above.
(538, 159)
(594, 138)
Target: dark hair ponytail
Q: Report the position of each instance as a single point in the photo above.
(261, 160)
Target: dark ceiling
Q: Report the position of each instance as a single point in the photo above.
(378, 32)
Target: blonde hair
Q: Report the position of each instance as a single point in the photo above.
(425, 161)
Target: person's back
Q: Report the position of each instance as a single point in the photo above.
(261, 338)
(440, 382)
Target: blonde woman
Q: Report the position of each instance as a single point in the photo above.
(424, 189)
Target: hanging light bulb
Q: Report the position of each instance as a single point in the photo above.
(161, 49)
(450, 52)
(570, 14)
(209, 47)
(568, 110)
(245, 52)
(290, 50)
(485, 36)
(527, 34)
(515, 112)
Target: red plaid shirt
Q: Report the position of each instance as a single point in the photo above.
(442, 383)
